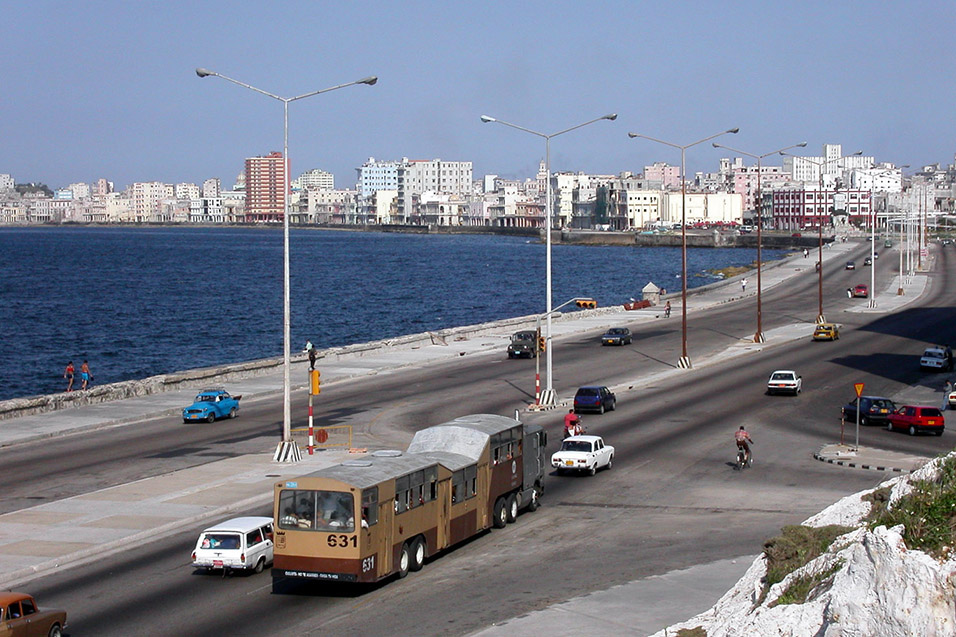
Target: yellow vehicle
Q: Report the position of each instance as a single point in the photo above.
(369, 518)
(826, 332)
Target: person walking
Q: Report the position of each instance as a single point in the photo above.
(667, 310)
(743, 284)
(85, 375)
(947, 388)
(68, 374)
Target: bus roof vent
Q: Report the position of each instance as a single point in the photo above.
(357, 463)
(387, 453)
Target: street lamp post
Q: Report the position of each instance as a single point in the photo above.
(820, 165)
(872, 295)
(758, 336)
(684, 361)
(286, 451)
(548, 397)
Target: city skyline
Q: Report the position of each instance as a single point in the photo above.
(109, 90)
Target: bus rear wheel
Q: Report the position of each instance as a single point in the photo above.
(501, 514)
(512, 508)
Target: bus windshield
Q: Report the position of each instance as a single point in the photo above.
(316, 510)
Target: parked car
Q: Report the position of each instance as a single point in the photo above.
(850, 265)
(916, 418)
(594, 398)
(888, 244)
(937, 358)
(860, 291)
(583, 453)
(868, 261)
(616, 336)
(874, 410)
(237, 544)
(784, 381)
(951, 398)
(211, 404)
(20, 615)
(826, 332)
(523, 344)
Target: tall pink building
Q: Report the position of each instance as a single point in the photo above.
(266, 188)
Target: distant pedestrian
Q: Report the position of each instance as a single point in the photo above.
(806, 253)
(743, 285)
(667, 310)
(312, 355)
(68, 374)
(85, 375)
(947, 388)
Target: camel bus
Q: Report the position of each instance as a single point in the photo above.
(369, 518)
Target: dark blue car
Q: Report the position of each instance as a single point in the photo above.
(212, 404)
(594, 398)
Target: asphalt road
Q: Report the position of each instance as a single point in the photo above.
(671, 500)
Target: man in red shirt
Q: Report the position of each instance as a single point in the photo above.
(743, 442)
(572, 424)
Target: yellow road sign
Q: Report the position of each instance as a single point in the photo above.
(859, 389)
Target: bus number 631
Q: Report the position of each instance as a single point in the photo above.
(343, 541)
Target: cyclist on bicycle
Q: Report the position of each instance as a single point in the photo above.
(743, 442)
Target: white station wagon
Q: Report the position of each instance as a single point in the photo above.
(583, 453)
(236, 544)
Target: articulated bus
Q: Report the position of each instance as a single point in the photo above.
(384, 514)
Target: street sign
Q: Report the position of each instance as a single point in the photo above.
(859, 389)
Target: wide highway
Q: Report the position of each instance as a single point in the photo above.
(671, 501)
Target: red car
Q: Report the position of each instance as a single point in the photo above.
(861, 291)
(914, 419)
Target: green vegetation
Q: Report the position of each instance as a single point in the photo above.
(692, 632)
(799, 590)
(928, 513)
(732, 271)
(796, 547)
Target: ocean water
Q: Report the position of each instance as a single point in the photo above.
(137, 302)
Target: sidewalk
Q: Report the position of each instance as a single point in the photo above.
(870, 458)
(86, 527)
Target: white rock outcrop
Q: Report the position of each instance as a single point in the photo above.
(874, 585)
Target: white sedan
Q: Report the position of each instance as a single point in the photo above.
(583, 453)
(784, 381)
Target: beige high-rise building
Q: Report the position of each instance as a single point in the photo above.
(266, 188)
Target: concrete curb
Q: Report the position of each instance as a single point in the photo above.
(857, 465)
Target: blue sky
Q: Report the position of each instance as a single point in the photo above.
(108, 89)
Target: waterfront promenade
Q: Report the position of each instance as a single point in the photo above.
(87, 527)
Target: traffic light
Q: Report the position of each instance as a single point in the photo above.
(315, 381)
(586, 303)
(542, 343)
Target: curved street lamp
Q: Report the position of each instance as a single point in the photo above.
(820, 164)
(287, 451)
(758, 335)
(684, 361)
(548, 398)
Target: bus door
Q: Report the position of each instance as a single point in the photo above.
(484, 493)
(444, 523)
(383, 548)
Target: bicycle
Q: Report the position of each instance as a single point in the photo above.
(742, 460)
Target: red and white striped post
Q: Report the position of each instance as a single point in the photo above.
(314, 388)
(537, 388)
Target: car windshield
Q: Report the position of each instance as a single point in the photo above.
(782, 376)
(615, 331)
(882, 403)
(205, 398)
(587, 392)
(930, 412)
(932, 354)
(575, 445)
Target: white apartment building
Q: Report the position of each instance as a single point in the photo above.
(330, 206)
(642, 208)
(146, 198)
(709, 207)
(314, 179)
(79, 190)
(416, 177)
(212, 187)
(830, 166)
(883, 178)
(6, 182)
(186, 191)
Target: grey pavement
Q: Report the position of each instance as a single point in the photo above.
(85, 527)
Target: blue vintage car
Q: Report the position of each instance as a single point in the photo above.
(212, 404)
